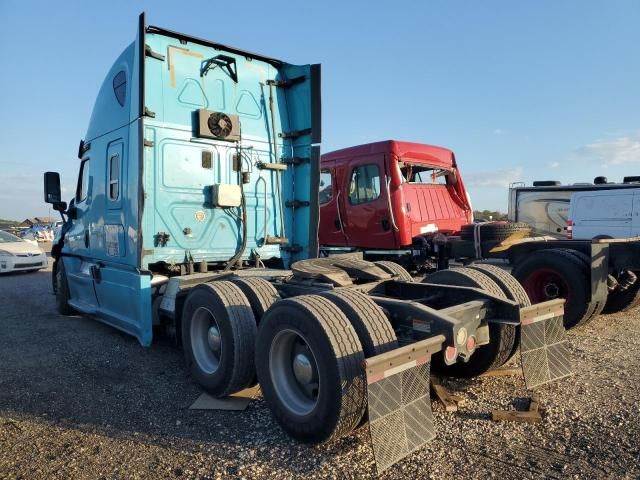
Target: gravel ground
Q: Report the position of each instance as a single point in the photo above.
(80, 400)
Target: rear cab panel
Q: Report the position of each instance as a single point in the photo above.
(144, 196)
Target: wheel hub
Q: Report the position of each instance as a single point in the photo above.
(302, 368)
(213, 338)
(551, 290)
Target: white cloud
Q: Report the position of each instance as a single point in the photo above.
(493, 178)
(499, 131)
(615, 151)
(553, 164)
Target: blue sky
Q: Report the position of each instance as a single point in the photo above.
(519, 90)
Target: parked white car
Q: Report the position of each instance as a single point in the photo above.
(17, 254)
(604, 214)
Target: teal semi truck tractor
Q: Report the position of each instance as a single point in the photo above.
(196, 214)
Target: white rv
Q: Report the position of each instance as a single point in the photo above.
(545, 205)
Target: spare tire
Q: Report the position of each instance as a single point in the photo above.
(494, 231)
(395, 269)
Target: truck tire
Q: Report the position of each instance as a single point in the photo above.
(394, 269)
(497, 231)
(218, 337)
(623, 300)
(502, 337)
(260, 293)
(309, 364)
(507, 282)
(368, 320)
(61, 288)
(510, 287)
(595, 307)
(556, 273)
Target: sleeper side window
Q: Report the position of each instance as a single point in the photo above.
(114, 177)
(83, 181)
(365, 184)
(120, 87)
(326, 189)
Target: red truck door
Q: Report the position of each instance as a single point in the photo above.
(330, 217)
(364, 203)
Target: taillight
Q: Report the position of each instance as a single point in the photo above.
(569, 229)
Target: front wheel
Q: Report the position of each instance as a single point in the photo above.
(61, 288)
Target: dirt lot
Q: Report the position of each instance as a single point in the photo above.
(81, 400)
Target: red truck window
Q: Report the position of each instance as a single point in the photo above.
(326, 189)
(365, 184)
(423, 174)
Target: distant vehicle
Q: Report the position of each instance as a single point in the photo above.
(17, 254)
(388, 195)
(39, 233)
(545, 205)
(604, 214)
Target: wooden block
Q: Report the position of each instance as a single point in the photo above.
(448, 401)
(516, 416)
(534, 403)
(502, 372)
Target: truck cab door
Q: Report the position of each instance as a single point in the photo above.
(367, 220)
(330, 233)
(77, 256)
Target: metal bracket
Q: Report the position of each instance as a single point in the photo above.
(295, 248)
(148, 52)
(295, 160)
(161, 239)
(225, 62)
(287, 83)
(147, 143)
(149, 113)
(272, 166)
(295, 133)
(296, 203)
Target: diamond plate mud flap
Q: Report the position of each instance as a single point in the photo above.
(543, 346)
(399, 406)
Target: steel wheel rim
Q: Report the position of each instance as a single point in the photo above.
(206, 348)
(294, 372)
(545, 285)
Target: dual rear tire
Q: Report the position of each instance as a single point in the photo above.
(308, 353)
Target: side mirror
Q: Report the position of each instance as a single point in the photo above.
(52, 188)
(72, 212)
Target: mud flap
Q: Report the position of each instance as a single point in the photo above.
(399, 405)
(543, 345)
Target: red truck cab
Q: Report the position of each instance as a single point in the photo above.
(384, 195)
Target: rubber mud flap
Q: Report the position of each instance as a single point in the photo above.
(399, 405)
(543, 345)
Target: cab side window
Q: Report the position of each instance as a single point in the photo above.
(114, 177)
(83, 181)
(365, 184)
(120, 87)
(326, 189)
